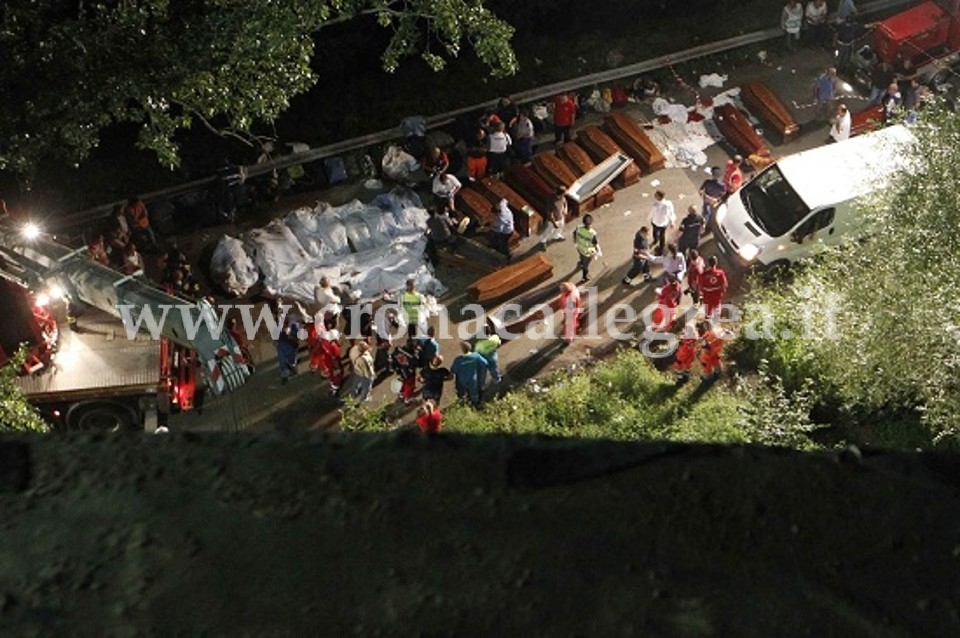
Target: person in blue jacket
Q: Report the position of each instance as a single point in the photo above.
(466, 372)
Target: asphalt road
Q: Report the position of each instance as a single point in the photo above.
(305, 402)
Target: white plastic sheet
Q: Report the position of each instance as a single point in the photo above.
(232, 267)
(398, 165)
(371, 247)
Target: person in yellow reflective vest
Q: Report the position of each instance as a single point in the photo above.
(588, 247)
(412, 303)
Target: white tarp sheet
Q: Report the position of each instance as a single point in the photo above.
(373, 248)
(683, 142)
(232, 267)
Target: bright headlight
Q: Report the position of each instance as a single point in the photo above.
(55, 292)
(721, 213)
(749, 252)
(30, 231)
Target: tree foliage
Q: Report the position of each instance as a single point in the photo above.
(16, 415)
(70, 69)
(896, 341)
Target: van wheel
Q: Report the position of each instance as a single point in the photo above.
(103, 417)
(776, 271)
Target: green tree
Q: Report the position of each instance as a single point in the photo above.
(70, 69)
(16, 415)
(895, 342)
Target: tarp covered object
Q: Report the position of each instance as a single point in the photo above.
(371, 247)
(232, 267)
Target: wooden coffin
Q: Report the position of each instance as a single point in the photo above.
(526, 219)
(869, 119)
(768, 108)
(531, 186)
(599, 146)
(478, 207)
(511, 280)
(626, 132)
(737, 129)
(579, 160)
(557, 174)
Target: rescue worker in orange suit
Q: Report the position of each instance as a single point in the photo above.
(713, 285)
(686, 353)
(711, 347)
(668, 297)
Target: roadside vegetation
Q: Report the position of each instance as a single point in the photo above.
(16, 414)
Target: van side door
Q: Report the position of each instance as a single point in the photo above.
(818, 226)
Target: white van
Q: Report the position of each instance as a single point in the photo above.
(808, 199)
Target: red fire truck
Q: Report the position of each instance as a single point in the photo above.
(91, 375)
(928, 35)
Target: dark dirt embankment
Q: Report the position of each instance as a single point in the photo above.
(399, 534)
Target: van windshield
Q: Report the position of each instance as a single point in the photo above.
(772, 203)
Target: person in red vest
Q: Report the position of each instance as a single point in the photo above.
(429, 418)
(686, 353)
(331, 354)
(668, 298)
(713, 285)
(733, 176)
(139, 221)
(570, 307)
(564, 113)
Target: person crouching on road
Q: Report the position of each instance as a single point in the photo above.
(686, 353)
(429, 418)
(668, 298)
(433, 377)
(711, 348)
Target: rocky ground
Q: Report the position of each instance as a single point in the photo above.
(400, 534)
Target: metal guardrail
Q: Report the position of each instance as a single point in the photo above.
(435, 121)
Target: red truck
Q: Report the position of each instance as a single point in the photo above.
(94, 376)
(928, 35)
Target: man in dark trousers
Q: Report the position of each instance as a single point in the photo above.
(588, 246)
(434, 376)
(691, 228)
(641, 256)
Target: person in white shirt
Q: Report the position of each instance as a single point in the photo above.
(674, 263)
(841, 124)
(445, 187)
(815, 22)
(662, 217)
(327, 301)
(498, 141)
(791, 20)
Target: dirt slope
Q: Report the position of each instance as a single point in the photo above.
(398, 534)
